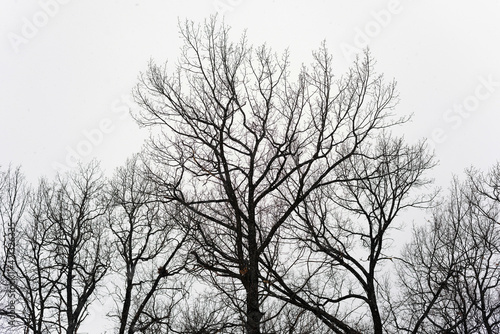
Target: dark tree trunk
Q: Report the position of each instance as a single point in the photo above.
(254, 315)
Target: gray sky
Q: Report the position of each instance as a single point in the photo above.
(67, 68)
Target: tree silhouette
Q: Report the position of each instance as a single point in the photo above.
(242, 145)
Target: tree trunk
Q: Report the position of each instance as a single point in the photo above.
(126, 303)
(377, 320)
(254, 315)
(251, 282)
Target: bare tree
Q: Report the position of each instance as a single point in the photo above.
(13, 203)
(207, 313)
(27, 270)
(484, 236)
(242, 145)
(54, 255)
(343, 235)
(293, 320)
(451, 270)
(77, 208)
(149, 247)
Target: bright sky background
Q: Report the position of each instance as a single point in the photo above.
(67, 68)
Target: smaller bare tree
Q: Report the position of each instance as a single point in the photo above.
(343, 233)
(207, 313)
(150, 251)
(27, 275)
(77, 209)
(451, 270)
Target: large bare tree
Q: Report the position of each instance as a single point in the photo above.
(242, 143)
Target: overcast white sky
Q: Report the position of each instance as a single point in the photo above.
(67, 68)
